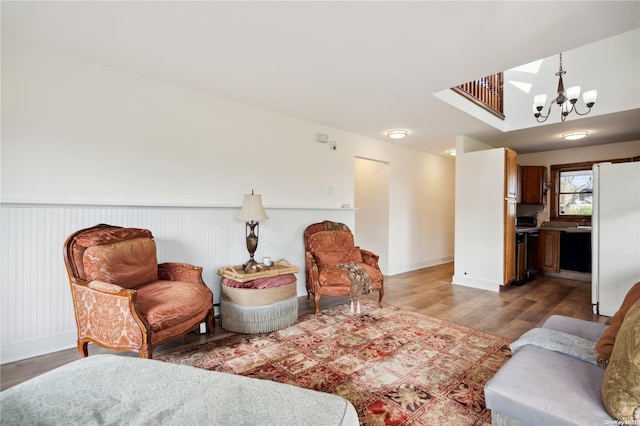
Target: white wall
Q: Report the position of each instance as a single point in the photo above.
(83, 143)
(372, 208)
(479, 214)
(421, 229)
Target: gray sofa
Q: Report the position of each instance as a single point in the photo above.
(542, 387)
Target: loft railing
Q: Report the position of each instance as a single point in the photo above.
(486, 92)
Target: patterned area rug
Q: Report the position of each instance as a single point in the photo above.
(395, 366)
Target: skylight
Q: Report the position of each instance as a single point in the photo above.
(525, 87)
(530, 68)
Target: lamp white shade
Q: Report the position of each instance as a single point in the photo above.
(590, 96)
(252, 209)
(573, 92)
(540, 100)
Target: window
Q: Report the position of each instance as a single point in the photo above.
(572, 190)
(575, 197)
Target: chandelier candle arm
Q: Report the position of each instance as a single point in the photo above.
(566, 100)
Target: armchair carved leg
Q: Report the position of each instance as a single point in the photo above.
(211, 322)
(146, 352)
(316, 301)
(83, 348)
(380, 297)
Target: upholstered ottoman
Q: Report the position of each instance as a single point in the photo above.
(259, 306)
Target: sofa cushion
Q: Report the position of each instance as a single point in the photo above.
(541, 387)
(128, 264)
(330, 258)
(168, 303)
(621, 387)
(98, 236)
(604, 346)
(324, 241)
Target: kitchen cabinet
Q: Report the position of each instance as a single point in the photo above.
(511, 173)
(533, 247)
(532, 184)
(549, 246)
(575, 251)
(510, 193)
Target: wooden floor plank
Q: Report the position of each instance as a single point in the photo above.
(508, 313)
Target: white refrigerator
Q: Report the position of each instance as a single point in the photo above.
(615, 234)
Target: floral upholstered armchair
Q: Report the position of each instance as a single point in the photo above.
(330, 253)
(124, 300)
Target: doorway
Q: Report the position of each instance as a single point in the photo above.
(372, 208)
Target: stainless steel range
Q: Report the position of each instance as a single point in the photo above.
(526, 248)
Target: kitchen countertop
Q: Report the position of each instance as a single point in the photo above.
(527, 229)
(578, 229)
(555, 226)
(565, 227)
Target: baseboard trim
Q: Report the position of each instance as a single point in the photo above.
(475, 283)
(401, 269)
(569, 275)
(36, 347)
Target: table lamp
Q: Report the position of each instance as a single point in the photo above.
(251, 212)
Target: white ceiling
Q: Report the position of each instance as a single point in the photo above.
(363, 67)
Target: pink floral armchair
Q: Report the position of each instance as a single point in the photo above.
(124, 300)
(329, 245)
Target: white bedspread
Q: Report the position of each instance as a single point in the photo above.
(115, 390)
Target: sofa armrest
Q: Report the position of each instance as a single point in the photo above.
(99, 303)
(370, 258)
(105, 287)
(180, 272)
(578, 327)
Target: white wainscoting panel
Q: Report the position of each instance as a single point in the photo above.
(36, 307)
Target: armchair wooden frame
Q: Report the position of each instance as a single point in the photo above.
(312, 269)
(130, 323)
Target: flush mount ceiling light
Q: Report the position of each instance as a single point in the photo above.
(397, 134)
(573, 136)
(566, 101)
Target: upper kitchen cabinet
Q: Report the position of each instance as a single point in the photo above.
(532, 184)
(511, 173)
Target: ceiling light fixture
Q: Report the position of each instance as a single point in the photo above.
(566, 101)
(574, 136)
(397, 134)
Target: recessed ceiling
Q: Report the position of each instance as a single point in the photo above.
(364, 67)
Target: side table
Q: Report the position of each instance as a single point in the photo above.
(258, 302)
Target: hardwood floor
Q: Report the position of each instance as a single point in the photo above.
(507, 313)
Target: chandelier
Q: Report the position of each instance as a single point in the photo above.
(566, 101)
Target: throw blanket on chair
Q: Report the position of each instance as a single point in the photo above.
(360, 281)
(558, 341)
